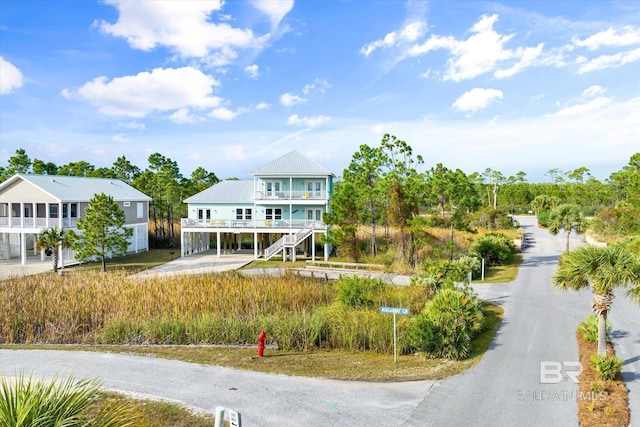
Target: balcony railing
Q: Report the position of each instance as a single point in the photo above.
(251, 224)
(31, 222)
(291, 195)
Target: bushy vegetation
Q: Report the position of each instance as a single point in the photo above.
(606, 366)
(447, 324)
(27, 402)
(589, 328)
(495, 248)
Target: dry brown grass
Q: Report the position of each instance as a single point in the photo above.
(609, 409)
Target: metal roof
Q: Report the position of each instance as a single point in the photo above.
(292, 164)
(230, 191)
(80, 189)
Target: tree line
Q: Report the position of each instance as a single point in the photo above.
(382, 187)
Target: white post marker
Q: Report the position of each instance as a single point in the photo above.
(219, 422)
(234, 418)
(394, 311)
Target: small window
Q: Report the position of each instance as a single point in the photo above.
(74, 210)
(278, 214)
(200, 214)
(140, 210)
(126, 204)
(208, 214)
(239, 213)
(247, 214)
(53, 211)
(269, 213)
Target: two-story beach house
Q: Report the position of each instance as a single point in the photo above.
(31, 203)
(278, 212)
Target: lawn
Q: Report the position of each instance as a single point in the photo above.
(502, 273)
(132, 263)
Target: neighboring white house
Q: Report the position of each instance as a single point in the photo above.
(30, 203)
(279, 211)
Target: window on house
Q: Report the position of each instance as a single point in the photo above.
(40, 210)
(200, 214)
(65, 210)
(4, 209)
(273, 188)
(74, 210)
(239, 213)
(208, 214)
(139, 210)
(277, 213)
(268, 213)
(53, 211)
(247, 214)
(126, 204)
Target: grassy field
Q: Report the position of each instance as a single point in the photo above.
(502, 273)
(131, 264)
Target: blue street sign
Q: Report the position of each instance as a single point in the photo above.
(394, 310)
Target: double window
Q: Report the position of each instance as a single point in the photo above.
(273, 214)
(240, 212)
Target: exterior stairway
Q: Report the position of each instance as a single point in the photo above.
(288, 241)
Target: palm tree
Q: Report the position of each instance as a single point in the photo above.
(567, 217)
(602, 270)
(52, 238)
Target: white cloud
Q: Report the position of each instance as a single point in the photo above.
(234, 152)
(584, 108)
(120, 138)
(626, 36)
(476, 99)
(223, 114)
(183, 116)
(610, 61)
(289, 99)
(528, 56)
(307, 121)
(10, 77)
(593, 91)
(263, 106)
(184, 27)
(163, 89)
(275, 10)
(252, 70)
(318, 85)
(410, 33)
(132, 125)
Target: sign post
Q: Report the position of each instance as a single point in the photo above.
(394, 311)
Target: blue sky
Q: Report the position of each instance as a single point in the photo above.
(511, 86)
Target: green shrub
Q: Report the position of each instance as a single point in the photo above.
(606, 366)
(448, 324)
(491, 219)
(26, 402)
(589, 328)
(543, 218)
(597, 386)
(495, 248)
(354, 291)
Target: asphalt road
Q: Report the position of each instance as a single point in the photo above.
(505, 389)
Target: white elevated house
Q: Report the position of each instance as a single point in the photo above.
(278, 212)
(31, 203)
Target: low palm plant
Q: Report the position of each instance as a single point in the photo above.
(27, 402)
(52, 238)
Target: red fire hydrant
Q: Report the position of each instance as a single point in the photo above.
(261, 339)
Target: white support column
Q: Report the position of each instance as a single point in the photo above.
(326, 251)
(23, 246)
(218, 243)
(21, 215)
(34, 214)
(61, 256)
(255, 245)
(60, 222)
(313, 246)
(35, 239)
(10, 217)
(46, 213)
(182, 242)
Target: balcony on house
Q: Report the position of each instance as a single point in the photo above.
(38, 215)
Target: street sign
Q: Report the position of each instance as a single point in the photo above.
(394, 310)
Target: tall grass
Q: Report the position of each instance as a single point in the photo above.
(112, 308)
